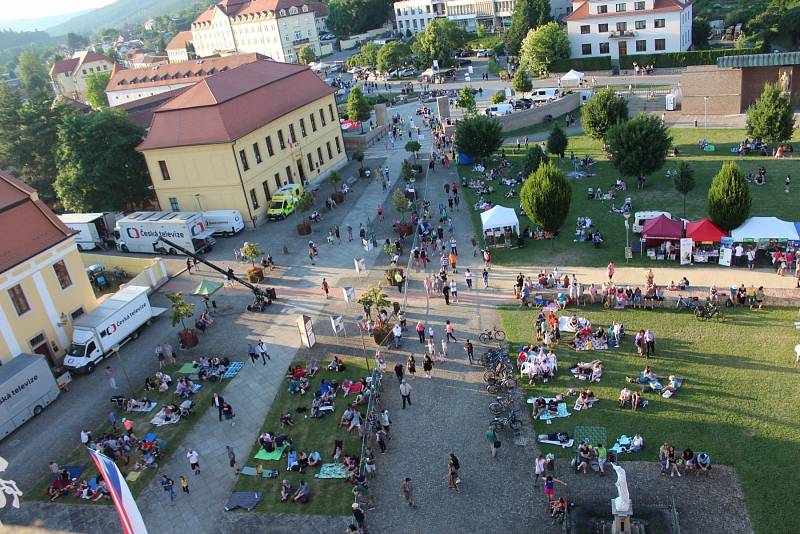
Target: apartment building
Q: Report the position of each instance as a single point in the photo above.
(177, 49)
(415, 15)
(69, 75)
(618, 28)
(469, 14)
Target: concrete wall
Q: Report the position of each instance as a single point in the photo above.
(723, 87)
(538, 115)
(354, 40)
(361, 142)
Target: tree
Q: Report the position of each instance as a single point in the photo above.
(546, 196)
(306, 55)
(440, 38)
(540, 13)
(181, 310)
(639, 146)
(392, 55)
(334, 178)
(401, 203)
(98, 166)
(521, 23)
(76, 41)
(602, 111)
(557, 141)
(107, 34)
(96, 89)
(479, 136)
(729, 197)
(789, 24)
(10, 104)
(498, 97)
(251, 251)
(534, 157)
(521, 83)
(374, 297)
(683, 180)
(771, 117)
(348, 17)
(368, 55)
(33, 74)
(357, 107)
(544, 45)
(359, 157)
(466, 101)
(413, 147)
(701, 29)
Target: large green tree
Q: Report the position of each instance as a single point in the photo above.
(546, 196)
(479, 136)
(527, 14)
(466, 101)
(392, 55)
(557, 141)
(10, 104)
(99, 168)
(701, 29)
(349, 17)
(357, 107)
(306, 55)
(33, 74)
(534, 157)
(367, 56)
(639, 146)
(729, 197)
(521, 82)
(75, 40)
(440, 38)
(683, 180)
(544, 45)
(771, 117)
(96, 89)
(602, 111)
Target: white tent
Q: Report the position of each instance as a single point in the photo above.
(500, 217)
(756, 228)
(572, 76)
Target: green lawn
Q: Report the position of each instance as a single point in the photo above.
(172, 435)
(738, 403)
(544, 127)
(658, 194)
(328, 497)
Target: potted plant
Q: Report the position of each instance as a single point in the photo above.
(305, 203)
(373, 297)
(359, 157)
(407, 173)
(252, 252)
(402, 204)
(182, 310)
(413, 147)
(337, 195)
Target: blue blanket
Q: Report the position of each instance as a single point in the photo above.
(233, 369)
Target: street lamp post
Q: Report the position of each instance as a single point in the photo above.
(115, 348)
(197, 197)
(627, 241)
(705, 117)
(361, 319)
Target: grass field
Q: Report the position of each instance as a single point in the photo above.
(172, 435)
(738, 403)
(329, 497)
(544, 127)
(658, 194)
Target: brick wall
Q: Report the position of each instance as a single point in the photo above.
(538, 115)
(721, 86)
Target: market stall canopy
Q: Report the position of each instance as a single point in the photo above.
(572, 76)
(500, 217)
(662, 227)
(206, 288)
(705, 231)
(756, 228)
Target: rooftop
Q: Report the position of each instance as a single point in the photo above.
(231, 104)
(659, 6)
(238, 8)
(68, 66)
(180, 40)
(760, 60)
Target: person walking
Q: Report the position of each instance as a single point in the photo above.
(469, 349)
(232, 458)
(538, 468)
(184, 484)
(549, 487)
(446, 293)
(449, 329)
(380, 437)
(168, 485)
(452, 478)
(399, 280)
(408, 492)
(170, 353)
(405, 392)
(262, 350)
(194, 460)
(411, 365)
(229, 414)
(325, 288)
(111, 380)
(468, 279)
(251, 351)
(189, 265)
(397, 331)
(485, 279)
(427, 365)
(338, 234)
(360, 517)
(420, 328)
(445, 346)
(454, 290)
(160, 356)
(349, 233)
(610, 270)
(398, 371)
(219, 402)
(494, 443)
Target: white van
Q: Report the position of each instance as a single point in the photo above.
(545, 94)
(225, 223)
(496, 110)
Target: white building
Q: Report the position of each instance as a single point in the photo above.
(415, 15)
(619, 28)
(177, 50)
(469, 14)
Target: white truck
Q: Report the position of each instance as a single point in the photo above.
(93, 229)
(139, 232)
(26, 386)
(225, 223)
(109, 326)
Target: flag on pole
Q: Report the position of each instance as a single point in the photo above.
(129, 515)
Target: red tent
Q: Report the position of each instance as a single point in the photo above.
(662, 228)
(705, 231)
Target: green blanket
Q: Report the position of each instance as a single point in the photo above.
(274, 455)
(332, 471)
(187, 369)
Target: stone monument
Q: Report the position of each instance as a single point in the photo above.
(443, 103)
(380, 115)
(621, 506)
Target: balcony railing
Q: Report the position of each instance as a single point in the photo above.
(621, 34)
(300, 41)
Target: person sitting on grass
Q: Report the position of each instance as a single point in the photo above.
(355, 422)
(539, 407)
(302, 462)
(297, 372)
(287, 420)
(302, 494)
(647, 376)
(314, 459)
(637, 443)
(624, 397)
(294, 386)
(101, 492)
(313, 368)
(675, 383)
(351, 466)
(347, 417)
(286, 490)
(635, 399)
(703, 462)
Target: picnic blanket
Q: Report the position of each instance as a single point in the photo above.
(252, 471)
(565, 445)
(262, 454)
(145, 409)
(564, 326)
(590, 434)
(622, 444)
(590, 344)
(354, 388)
(158, 420)
(562, 412)
(233, 369)
(187, 369)
(73, 470)
(332, 471)
(243, 499)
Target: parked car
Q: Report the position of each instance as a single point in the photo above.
(522, 103)
(483, 53)
(545, 94)
(464, 62)
(407, 72)
(497, 110)
(355, 70)
(327, 37)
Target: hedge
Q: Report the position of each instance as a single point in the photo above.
(581, 64)
(683, 59)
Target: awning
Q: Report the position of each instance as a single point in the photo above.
(572, 76)
(662, 227)
(206, 288)
(705, 231)
(759, 228)
(500, 217)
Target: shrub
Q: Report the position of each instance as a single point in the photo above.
(499, 97)
(581, 64)
(729, 197)
(682, 59)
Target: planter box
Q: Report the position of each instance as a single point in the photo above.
(304, 228)
(188, 338)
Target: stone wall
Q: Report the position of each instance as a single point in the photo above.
(723, 87)
(357, 141)
(538, 115)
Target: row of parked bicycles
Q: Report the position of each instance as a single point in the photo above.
(500, 381)
(703, 311)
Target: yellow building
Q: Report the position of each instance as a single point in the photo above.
(69, 75)
(43, 284)
(232, 139)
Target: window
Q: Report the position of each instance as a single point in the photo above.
(271, 152)
(257, 153)
(310, 162)
(292, 136)
(622, 26)
(313, 123)
(638, 6)
(322, 117)
(620, 8)
(243, 157)
(267, 194)
(330, 112)
(640, 24)
(641, 46)
(281, 142)
(289, 174)
(319, 155)
(602, 9)
(173, 204)
(164, 170)
(338, 146)
(84, 71)
(254, 199)
(328, 146)
(604, 48)
(77, 313)
(661, 44)
(62, 274)
(277, 178)
(659, 23)
(303, 128)
(602, 28)
(586, 49)
(585, 29)
(18, 299)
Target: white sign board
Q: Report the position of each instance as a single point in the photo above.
(687, 244)
(469, 69)
(306, 329)
(466, 77)
(508, 93)
(349, 294)
(367, 244)
(337, 324)
(360, 264)
(725, 254)
(435, 65)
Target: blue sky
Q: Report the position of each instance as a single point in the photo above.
(45, 8)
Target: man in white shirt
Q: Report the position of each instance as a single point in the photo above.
(738, 252)
(194, 461)
(751, 258)
(405, 392)
(397, 330)
(262, 350)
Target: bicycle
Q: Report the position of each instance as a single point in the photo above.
(688, 303)
(510, 421)
(502, 404)
(492, 334)
(705, 313)
(119, 274)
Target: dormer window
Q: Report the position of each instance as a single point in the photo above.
(293, 10)
(282, 13)
(305, 8)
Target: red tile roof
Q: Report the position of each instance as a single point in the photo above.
(66, 66)
(659, 6)
(180, 40)
(235, 8)
(36, 227)
(231, 104)
(184, 72)
(141, 111)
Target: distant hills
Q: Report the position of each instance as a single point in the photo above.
(40, 23)
(119, 14)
